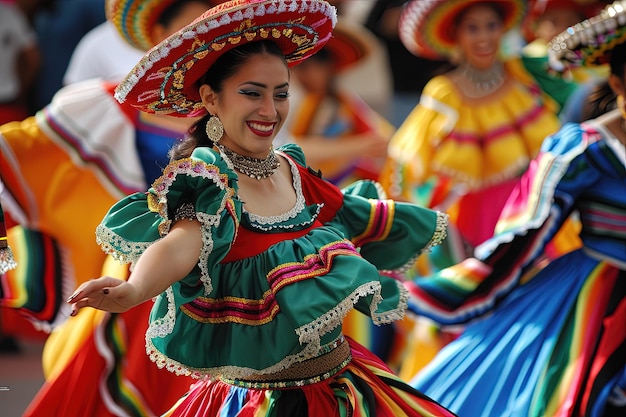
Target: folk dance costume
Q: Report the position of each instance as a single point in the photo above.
(258, 320)
(543, 340)
(457, 151)
(283, 283)
(62, 170)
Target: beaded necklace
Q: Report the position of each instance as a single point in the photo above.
(253, 167)
(484, 81)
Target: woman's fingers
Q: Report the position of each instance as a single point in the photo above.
(73, 296)
(85, 302)
(100, 293)
(94, 286)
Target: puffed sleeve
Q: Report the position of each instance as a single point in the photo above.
(390, 234)
(200, 187)
(535, 211)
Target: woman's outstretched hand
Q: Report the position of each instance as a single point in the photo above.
(105, 293)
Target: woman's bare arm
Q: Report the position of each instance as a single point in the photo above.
(162, 264)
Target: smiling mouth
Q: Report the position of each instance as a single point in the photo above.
(261, 129)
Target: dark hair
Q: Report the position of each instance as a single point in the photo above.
(602, 98)
(618, 60)
(222, 69)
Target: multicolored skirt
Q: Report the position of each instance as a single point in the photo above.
(364, 387)
(553, 348)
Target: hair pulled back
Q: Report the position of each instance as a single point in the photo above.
(602, 98)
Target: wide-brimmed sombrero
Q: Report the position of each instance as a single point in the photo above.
(350, 44)
(134, 19)
(426, 27)
(165, 80)
(590, 42)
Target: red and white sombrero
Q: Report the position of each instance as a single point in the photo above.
(427, 27)
(165, 80)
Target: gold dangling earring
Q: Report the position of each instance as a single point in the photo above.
(214, 129)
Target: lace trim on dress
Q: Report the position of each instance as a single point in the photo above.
(397, 313)
(439, 235)
(185, 211)
(234, 372)
(194, 168)
(163, 326)
(120, 249)
(311, 333)
(295, 210)
(286, 226)
(128, 252)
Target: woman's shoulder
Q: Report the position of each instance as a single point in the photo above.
(294, 151)
(440, 86)
(207, 155)
(204, 169)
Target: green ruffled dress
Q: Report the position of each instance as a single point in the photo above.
(270, 293)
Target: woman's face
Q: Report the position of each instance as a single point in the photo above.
(252, 105)
(478, 36)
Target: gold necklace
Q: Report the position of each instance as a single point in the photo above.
(484, 81)
(256, 168)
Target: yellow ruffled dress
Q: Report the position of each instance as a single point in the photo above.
(462, 153)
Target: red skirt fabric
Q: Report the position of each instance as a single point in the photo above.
(111, 375)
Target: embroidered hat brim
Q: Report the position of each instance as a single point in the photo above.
(426, 27)
(165, 80)
(590, 42)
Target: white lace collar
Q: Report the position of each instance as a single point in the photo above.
(291, 213)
